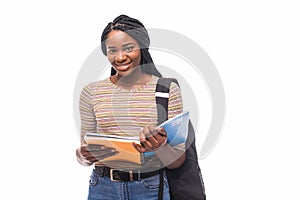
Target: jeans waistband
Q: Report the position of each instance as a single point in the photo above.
(123, 176)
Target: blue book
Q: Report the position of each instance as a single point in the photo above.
(176, 129)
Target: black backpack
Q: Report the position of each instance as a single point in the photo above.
(186, 181)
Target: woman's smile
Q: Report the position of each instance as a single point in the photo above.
(122, 67)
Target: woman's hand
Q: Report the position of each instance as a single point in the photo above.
(151, 139)
(88, 154)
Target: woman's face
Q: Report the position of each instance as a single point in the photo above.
(123, 52)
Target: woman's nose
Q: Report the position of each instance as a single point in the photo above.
(120, 56)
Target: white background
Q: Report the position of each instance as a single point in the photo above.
(254, 45)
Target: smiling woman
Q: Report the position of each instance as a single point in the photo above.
(124, 104)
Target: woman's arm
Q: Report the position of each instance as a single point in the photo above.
(88, 124)
(167, 154)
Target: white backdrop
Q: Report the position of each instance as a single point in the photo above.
(254, 45)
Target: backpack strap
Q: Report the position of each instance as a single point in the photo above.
(162, 101)
(162, 97)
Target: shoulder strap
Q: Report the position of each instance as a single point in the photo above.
(162, 97)
(162, 100)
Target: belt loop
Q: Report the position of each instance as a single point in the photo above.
(99, 170)
(139, 175)
(131, 175)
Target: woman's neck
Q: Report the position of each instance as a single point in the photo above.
(135, 80)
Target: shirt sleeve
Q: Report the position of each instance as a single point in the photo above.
(87, 115)
(175, 107)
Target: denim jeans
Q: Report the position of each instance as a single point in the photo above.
(102, 188)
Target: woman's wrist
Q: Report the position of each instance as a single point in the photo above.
(163, 144)
(169, 156)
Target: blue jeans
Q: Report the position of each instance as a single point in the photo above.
(102, 188)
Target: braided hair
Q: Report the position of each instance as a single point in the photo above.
(137, 30)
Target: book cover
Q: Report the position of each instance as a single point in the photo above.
(176, 129)
(126, 152)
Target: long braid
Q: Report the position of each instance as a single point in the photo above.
(137, 30)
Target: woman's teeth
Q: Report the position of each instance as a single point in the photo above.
(122, 67)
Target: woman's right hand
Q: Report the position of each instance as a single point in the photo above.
(88, 154)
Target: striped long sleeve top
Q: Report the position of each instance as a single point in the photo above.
(109, 109)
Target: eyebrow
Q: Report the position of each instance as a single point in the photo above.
(124, 45)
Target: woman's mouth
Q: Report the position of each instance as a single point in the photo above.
(122, 67)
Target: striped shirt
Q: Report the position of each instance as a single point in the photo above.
(109, 109)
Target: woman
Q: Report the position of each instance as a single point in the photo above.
(124, 104)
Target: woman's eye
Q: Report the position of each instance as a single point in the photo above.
(128, 49)
(112, 51)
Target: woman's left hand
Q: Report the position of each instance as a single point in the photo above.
(151, 139)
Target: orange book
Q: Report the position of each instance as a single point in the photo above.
(126, 152)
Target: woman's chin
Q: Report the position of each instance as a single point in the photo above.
(128, 72)
(124, 73)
